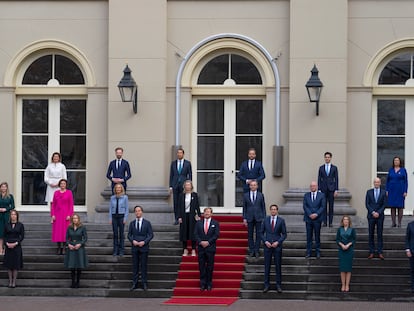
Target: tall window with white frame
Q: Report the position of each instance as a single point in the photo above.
(52, 123)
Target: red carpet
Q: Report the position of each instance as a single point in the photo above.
(228, 268)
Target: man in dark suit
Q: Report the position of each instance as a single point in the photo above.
(139, 234)
(254, 211)
(375, 202)
(251, 170)
(328, 184)
(118, 170)
(206, 233)
(409, 250)
(273, 234)
(180, 171)
(313, 207)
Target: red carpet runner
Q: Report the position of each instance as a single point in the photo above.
(228, 268)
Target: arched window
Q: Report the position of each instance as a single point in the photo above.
(398, 71)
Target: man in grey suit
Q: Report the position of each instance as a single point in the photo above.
(409, 250)
(254, 211)
(375, 202)
(313, 208)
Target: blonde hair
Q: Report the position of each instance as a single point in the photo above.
(7, 190)
(122, 189)
(71, 220)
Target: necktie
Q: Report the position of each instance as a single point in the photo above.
(117, 206)
(180, 166)
(376, 195)
(206, 226)
(273, 223)
(313, 196)
(250, 164)
(118, 164)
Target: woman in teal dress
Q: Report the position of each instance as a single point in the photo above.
(345, 239)
(75, 257)
(6, 205)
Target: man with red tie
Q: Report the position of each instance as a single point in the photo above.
(206, 233)
(273, 233)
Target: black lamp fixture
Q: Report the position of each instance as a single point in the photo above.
(314, 88)
(129, 89)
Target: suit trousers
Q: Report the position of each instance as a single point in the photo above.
(372, 223)
(206, 266)
(313, 227)
(176, 195)
(254, 242)
(119, 235)
(139, 264)
(412, 270)
(329, 208)
(276, 254)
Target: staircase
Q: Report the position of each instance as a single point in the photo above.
(313, 279)
(43, 273)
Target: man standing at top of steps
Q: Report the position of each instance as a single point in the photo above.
(409, 250)
(313, 207)
(251, 170)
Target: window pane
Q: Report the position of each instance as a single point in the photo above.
(244, 71)
(72, 116)
(73, 150)
(33, 188)
(77, 184)
(387, 149)
(249, 117)
(243, 144)
(67, 72)
(210, 188)
(391, 117)
(210, 117)
(35, 116)
(397, 71)
(34, 152)
(39, 72)
(215, 71)
(210, 153)
(239, 192)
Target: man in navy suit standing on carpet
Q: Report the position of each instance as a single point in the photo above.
(409, 250)
(328, 184)
(206, 233)
(118, 170)
(251, 170)
(313, 207)
(139, 234)
(254, 211)
(375, 202)
(180, 171)
(273, 234)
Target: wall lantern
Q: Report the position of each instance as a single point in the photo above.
(128, 89)
(314, 88)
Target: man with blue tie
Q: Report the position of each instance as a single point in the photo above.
(409, 250)
(139, 234)
(118, 170)
(254, 211)
(273, 233)
(328, 184)
(375, 202)
(180, 171)
(251, 170)
(313, 207)
(206, 233)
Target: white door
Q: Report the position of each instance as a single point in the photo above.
(225, 128)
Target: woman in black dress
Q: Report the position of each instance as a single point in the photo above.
(13, 236)
(188, 214)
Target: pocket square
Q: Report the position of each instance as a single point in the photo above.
(213, 226)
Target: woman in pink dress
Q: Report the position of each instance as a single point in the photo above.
(61, 211)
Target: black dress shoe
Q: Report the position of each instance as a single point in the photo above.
(251, 254)
(175, 222)
(145, 286)
(257, 255)
(134, 287)
(202, 288)
(307, 256)
(209, 288)
(318, 255)
(266, 289)
(324, 225)
(279, 289)
(330, 225)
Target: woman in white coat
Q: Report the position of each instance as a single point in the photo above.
(54, 172)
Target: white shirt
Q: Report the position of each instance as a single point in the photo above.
(187, 202)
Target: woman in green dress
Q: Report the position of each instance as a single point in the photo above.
(75, 257)
(345, 239)
(6, 205)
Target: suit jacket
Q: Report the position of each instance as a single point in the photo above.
(278, 234)
(373, 206)
(123, 171)
(145, 234)
(409, 237)
(257, 173)
(177, 179)
(254, 210)
(212, 235)
(194, 210)
(317, 206)
(123, 207)
(328, 182)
